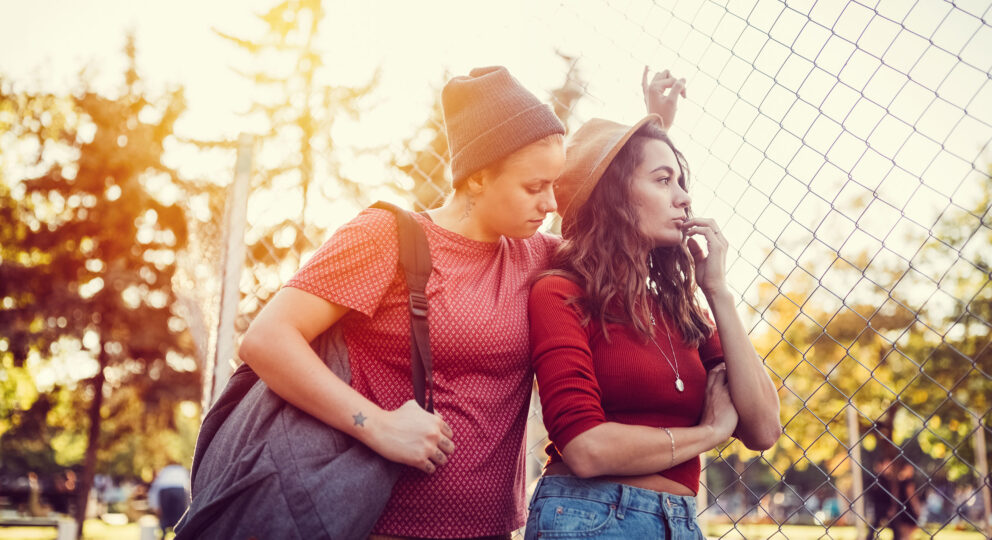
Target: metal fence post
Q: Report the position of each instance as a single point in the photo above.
(982, 463)
(857, 485)
(234, 256)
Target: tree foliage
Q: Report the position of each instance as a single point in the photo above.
(86, 275)
(297, 105)
(904, 339)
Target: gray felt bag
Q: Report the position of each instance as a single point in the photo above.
(265, 469)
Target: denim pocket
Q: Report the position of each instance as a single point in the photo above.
(567, 517)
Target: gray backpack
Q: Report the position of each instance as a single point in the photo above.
(264, 469)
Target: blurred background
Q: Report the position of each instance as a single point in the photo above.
(165, 167)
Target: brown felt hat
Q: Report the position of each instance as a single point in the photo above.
(590, 151)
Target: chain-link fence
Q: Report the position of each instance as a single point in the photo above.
(844, 148)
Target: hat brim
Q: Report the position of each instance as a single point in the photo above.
(609, 154)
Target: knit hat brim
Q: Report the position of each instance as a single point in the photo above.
(530, 125)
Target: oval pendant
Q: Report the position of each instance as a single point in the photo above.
(678, 385)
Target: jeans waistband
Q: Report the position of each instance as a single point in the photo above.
(623, 496)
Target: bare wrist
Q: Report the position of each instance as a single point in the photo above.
(718, 294)
(711, 435)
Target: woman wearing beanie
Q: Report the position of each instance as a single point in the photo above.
(635, 380)
(465, 474)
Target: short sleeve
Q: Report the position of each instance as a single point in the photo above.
(711, 350)
(356, 266)
(571, 399)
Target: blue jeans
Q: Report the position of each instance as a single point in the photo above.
(572, 507)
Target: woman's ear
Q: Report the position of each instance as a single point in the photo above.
(476, 183)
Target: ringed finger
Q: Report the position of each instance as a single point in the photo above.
(707, 232)
(446, 430)
(703, 221)
(439, 458)
(446, 446)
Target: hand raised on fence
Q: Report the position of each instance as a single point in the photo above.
(661, 95)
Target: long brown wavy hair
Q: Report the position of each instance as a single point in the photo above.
(619, 269)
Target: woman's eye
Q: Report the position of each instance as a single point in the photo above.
(534, 190)
(665, 179)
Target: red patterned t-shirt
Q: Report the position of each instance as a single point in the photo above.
(477, 294)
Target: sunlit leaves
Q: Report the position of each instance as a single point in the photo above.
(875, 328)
(91, 228)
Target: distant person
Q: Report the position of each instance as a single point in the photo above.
(831, 509)
(169, 495)
(65, 491)
(34, 496)
(933, 506)
(894, 499)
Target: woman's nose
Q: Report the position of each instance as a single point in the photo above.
(548, 203)
(682, 198)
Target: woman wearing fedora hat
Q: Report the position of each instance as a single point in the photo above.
(635, 379)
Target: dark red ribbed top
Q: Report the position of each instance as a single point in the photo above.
(585, 380)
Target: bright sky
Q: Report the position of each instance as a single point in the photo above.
(774, 129)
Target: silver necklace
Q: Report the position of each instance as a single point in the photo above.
(674, 361)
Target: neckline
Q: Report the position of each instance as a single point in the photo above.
(478, 245)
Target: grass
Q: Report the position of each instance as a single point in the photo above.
(809, 532)
(94, 529)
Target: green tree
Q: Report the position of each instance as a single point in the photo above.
(953, 389)
(905, 340)
(88, 272)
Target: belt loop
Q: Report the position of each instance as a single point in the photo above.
(690, 511)
(625, 495)
(533, 497)
(668, 505)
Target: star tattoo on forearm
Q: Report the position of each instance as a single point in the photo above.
(359, 419)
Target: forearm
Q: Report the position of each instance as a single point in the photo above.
(758, 426)
(621, 449)
(282, 357)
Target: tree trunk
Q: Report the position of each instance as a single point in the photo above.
(92, 445)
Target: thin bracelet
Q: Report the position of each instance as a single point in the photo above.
(671, 438)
